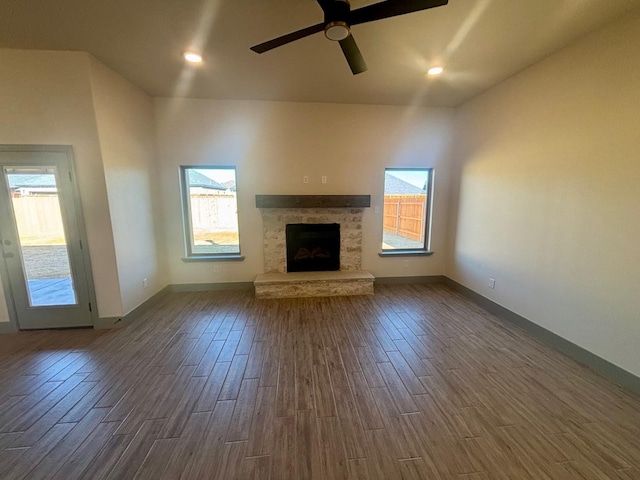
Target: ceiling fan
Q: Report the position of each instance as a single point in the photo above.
(338, 19)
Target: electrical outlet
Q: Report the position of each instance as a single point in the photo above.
(145, 283)
(492, 283)
(376, 209)
(324, 179)
(305, 179)
(406, 263)
(216, 269)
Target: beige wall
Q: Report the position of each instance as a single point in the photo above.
(126, 129)
(45, 98)
(549, 194)
(274, 144)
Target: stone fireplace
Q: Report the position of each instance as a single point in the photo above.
(275, 221)
(329, 212)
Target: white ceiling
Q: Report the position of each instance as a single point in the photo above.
(479, 42)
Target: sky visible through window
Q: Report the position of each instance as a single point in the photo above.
(220, 175)
(415, 177)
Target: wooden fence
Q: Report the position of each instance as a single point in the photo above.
(40, 222)
(214, 212)
(405, 215)
(38, 218)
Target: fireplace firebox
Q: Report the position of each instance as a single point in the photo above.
(313, 247)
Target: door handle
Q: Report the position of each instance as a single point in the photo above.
(7, 255)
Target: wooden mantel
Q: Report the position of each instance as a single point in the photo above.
(313, 201)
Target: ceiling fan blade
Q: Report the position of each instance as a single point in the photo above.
(353, 55)
(391, 8)
(325, 4)
(288, 38)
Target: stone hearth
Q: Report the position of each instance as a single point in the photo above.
(313, 284)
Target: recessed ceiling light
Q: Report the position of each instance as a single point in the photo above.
(435, 71)
(193, 57)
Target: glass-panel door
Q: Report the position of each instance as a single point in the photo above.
(41, 236)
(41, 245)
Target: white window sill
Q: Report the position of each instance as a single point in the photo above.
(214, 258)
(405, 253)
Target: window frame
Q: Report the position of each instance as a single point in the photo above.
(187, 219)
(425, 250)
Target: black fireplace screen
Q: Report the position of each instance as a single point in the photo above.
(313, 247)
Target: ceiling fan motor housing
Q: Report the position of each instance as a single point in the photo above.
(335, 20)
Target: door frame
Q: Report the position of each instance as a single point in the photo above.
(86, 257)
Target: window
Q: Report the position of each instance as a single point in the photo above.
(210, 208)
(407, 211)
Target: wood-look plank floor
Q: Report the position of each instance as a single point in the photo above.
(415, 382)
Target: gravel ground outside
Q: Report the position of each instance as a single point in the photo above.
(389, 241)
(46, 261)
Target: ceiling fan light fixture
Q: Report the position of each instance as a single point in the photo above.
(336, 31)
(192, 57)
(435, 71)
